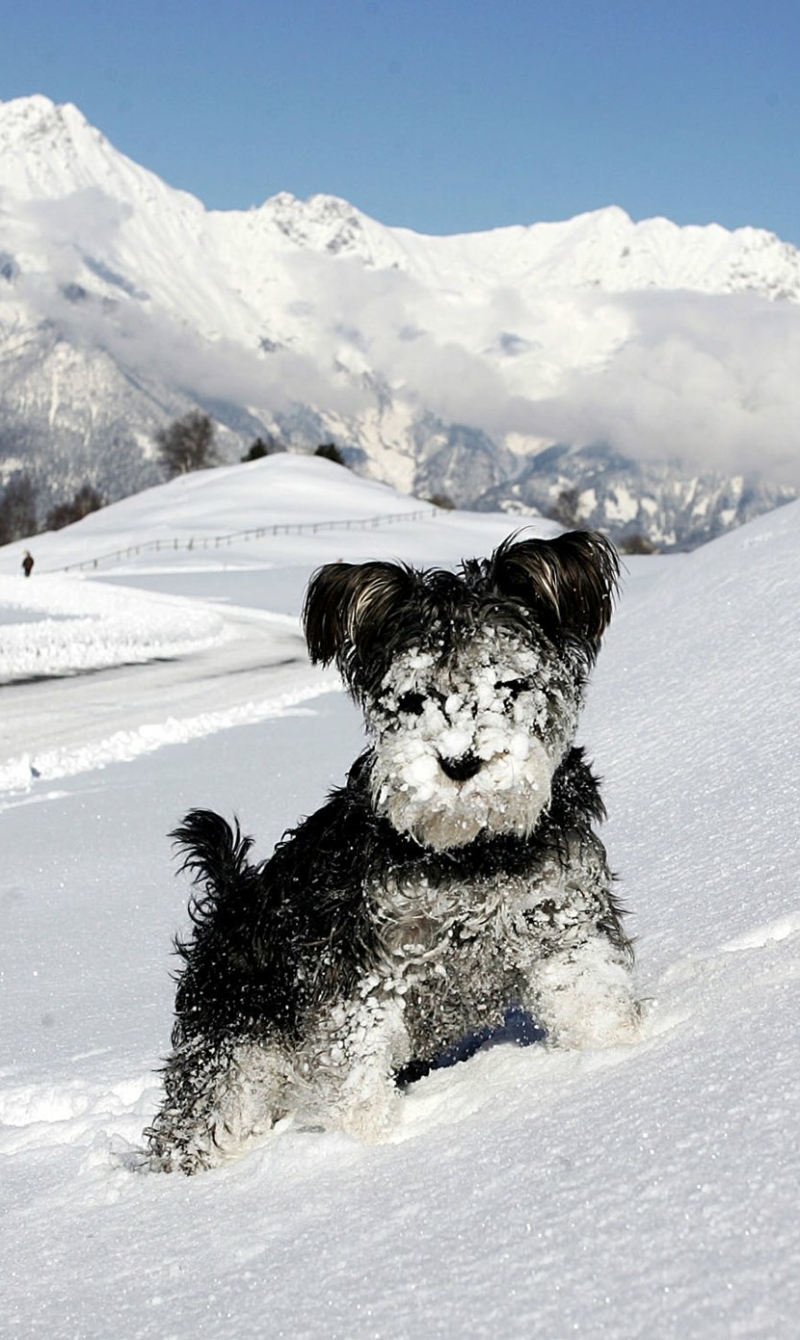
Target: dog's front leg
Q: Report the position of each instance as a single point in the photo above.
(217, 1099)
(351, 1062)
(584, 996)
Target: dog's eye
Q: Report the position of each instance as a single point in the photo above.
(513, 687)
(412, 703)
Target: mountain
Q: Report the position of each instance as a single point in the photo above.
(646, 368)
(645, 505)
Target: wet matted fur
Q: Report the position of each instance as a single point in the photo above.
(455, 876)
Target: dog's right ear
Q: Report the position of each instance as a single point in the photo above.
(570, 582)
(347, 608)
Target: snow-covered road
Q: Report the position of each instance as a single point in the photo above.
(108, 709)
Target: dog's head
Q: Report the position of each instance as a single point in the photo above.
(471, 682)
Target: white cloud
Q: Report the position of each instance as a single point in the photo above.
(710, 380)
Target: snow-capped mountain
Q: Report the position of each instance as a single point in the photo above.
(441, 365)
(644, 504)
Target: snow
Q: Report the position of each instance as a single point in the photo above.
(68, 627)
(646, 1190)
(621, 505)
(128, 301)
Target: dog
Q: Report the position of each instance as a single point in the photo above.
(456, 876)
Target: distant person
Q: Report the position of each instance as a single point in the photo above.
(27, 563)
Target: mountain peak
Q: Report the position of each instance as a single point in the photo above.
(319, 223)
(37, 118)
(50, 149)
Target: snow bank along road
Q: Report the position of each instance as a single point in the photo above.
(109, 673)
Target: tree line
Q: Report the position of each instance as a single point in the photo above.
(185, 445)
(188, 444)
(19, 515)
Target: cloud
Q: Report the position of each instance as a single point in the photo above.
(66, 228)
(417, 341)
(711, 381)
(79, 237)
(148, 342)
(88, 217)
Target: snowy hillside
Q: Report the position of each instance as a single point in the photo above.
(647, 1191)
(439, 363)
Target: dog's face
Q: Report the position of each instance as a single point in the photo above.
(467, 743)
(471, 683)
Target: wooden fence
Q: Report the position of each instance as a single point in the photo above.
(243, 536)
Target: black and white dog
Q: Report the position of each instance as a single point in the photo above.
(456, 875)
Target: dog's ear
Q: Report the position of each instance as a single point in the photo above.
(347, 607)
(570, 581)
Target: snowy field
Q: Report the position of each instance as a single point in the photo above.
(647, 1191)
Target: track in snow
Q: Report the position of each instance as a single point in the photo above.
(53, 727)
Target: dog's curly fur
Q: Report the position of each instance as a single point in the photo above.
(455, 875)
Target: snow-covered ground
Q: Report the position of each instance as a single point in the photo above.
(647, 1191)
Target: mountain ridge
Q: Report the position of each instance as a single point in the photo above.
(440, 364)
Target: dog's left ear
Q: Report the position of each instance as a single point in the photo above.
(346, 609)
(570, 581)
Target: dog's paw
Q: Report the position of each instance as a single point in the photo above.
(182, 1153)
(162, 1155)
(604, 1020)
(586, 999)
(367, 1108)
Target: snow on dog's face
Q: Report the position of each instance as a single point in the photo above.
(470, 682)
(468, 744)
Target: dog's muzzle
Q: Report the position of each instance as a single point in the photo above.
(461, 769)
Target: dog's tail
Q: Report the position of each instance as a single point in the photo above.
(216, 857)
(221, 982)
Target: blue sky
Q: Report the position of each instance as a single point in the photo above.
(441, 115)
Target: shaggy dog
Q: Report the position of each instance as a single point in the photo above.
(454, 877)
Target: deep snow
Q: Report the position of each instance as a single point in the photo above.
(642, 1191)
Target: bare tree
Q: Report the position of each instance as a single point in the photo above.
(18, 508)
(86, 500)
(187, 444)
(636, 544)
(566, 508)
(330, 452)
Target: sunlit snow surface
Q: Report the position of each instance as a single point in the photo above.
(644, 1191)
(60, 626)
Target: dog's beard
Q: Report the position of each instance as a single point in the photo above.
(505, 708)
(506, 796)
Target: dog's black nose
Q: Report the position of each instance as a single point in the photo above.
(460, 769)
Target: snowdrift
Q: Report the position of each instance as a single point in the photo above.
(644, 1191)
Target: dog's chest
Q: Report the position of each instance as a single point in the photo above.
(473, 937)
(442, 930)
(457, 953)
